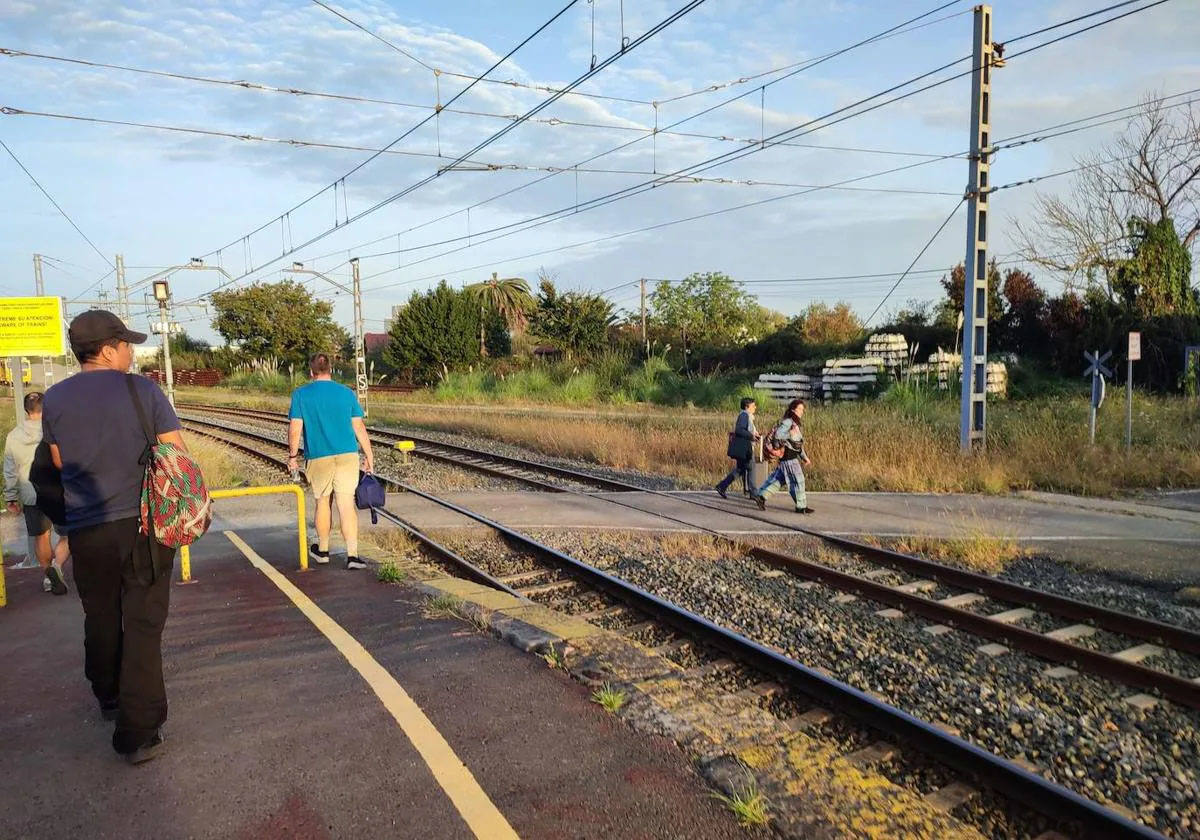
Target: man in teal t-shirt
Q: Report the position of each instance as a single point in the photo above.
(328, 418)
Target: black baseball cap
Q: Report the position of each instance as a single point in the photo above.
(101, 325)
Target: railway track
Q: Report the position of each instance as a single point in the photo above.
(968, 590)
(682, 627)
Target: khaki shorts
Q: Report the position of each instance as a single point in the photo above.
(333, 474)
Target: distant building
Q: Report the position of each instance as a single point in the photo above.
(375, 342)
(387, 322)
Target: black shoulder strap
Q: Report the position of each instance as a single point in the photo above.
(141, 413)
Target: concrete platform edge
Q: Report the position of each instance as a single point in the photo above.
(733, 741)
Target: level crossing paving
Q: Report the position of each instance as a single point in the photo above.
(323, 704)
(1135, 539)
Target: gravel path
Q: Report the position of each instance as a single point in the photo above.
(1079, 729)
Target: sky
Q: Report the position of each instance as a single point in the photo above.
(162, 197)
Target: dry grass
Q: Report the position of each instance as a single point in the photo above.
(396, 542)
(222, 466)
(973, 548)
(880, 445)
(1037, 444)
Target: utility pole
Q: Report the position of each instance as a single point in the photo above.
(39, 289)
(973, 417)
(122, 290)
(645, 340)
(360, 348)
(360, 353)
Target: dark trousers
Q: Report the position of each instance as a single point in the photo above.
(124, 581)
(741, 466)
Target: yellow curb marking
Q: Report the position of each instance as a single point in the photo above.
(476, 809)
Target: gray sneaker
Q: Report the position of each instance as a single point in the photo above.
(355, 563)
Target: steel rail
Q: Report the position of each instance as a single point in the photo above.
(1174, 636)
(1041, 794)
(469, 569)
(993, 771)
(437, 456)
(520, 463)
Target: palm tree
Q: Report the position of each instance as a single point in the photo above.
(509, 297)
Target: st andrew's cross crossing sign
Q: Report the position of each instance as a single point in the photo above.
(1096, 363)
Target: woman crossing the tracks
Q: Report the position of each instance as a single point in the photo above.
(788, 441)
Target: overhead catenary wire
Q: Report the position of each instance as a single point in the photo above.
(1030, 50)
(482, 166)
(507, 82)
(625, 49)
(755, 142)
(741, 80)
(57, 206)
(552, 121)
(411, 129)
(660, 225)
(806, 127)
(921, 253)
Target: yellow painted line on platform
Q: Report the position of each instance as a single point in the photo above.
(472, 803)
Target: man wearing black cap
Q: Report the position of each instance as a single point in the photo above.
(123, 577)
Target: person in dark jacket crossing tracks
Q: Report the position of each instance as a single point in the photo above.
(741, 446)
(788, 437)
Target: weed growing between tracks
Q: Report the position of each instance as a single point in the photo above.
(747, 803)
(610, 699)
(389, 572)
(974, 549)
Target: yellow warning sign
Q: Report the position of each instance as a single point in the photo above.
(32, 326)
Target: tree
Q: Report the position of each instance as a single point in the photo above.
(707, 309)
(952, 284)
(577, 322)
(433, 333)
(1122, 194)
(1157, 277)
(277, 320)
(821, 325)
(1023, 323)
(509, 298)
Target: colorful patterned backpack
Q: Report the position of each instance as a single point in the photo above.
(176, 507)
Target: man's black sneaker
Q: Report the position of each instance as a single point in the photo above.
(721, 492)
(151, 749)
(318, 556)
(761, 501)
(110, 711)
(804, 510)
(355, 563)
(57, 585)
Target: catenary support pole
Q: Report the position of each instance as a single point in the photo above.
(360, 350)
(164, 324)
(645, 340)
(973, 413)
(39, 289)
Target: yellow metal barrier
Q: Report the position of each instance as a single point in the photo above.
(185, 555)
(404, 447)
(3, 592)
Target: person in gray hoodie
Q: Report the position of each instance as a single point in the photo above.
(21, 497)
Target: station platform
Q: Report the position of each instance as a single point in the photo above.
(322, 705)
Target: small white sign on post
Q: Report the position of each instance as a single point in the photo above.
(1135, 346)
